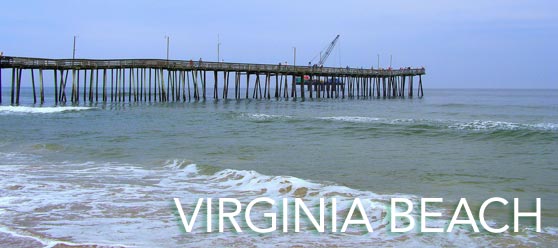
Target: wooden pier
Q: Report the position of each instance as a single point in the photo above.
(138, 80)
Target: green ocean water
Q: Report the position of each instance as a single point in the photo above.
(474, 144)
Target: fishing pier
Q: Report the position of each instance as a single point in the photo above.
(159, 80)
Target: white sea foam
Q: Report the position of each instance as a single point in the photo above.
(479, 125)
(9, 231)
(486, 125)
(27, 238)
(546, 126)
(246, 185)
(264, 117)
(357, 119)
(80, 202)
(365, 119)
(39, 110)
(475, 125)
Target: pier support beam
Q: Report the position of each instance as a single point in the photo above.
(410, 86)
(420, 93)
(237, 85)
(116, 96)
(310, 83)
(204, 79)
(247, 84)
(0, 80)
(293, 89)
(96, 86)
(187, 83)
(55, 86)
(225, 86)
(64, 80)
(33, 85)
(20, 71)
(12, 99)
(104, 94)
(130, 81)
(85, 85)
(302, 86)
(276, 85)
(268, 83)
(41, 87)
(286, 89)
(215, 88)
(162, 92)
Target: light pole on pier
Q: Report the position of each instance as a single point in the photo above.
(218, 48)
(168, 43)
(74, 50)
(378, 61)
(294, 56)
(390, 59)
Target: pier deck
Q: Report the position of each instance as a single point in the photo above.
(121, 80)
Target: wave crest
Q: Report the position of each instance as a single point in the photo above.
(356, 119)
(263, 117)
(479, 125)
(475, 125)
(40, 110)
(132, 199)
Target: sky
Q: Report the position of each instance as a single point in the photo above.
(462, 44)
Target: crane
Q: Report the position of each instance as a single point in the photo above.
(320, 63)
(325, 55)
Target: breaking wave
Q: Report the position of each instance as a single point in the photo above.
(502, 125)
(482, 126)
(39, 110)
(76, 203)
(264, 117)
(475, 125)
(357, 119)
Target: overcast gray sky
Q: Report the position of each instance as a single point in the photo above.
(463, 44)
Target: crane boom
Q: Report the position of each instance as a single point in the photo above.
(328, 51)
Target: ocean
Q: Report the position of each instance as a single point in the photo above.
(106, 174)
